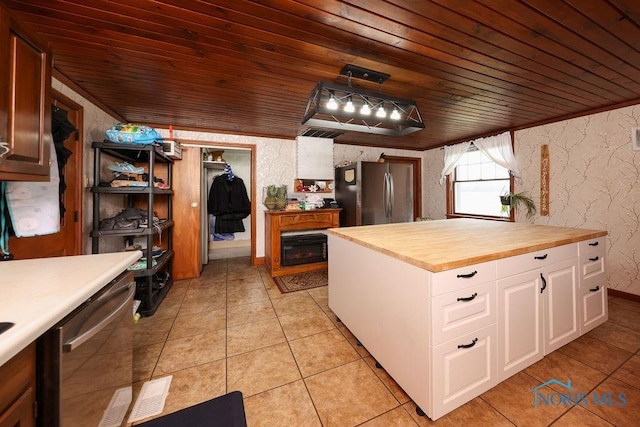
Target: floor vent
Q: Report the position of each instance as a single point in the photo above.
(151, 400)
(117, 409)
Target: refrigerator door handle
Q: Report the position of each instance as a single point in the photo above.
(385, 193)
(391, 195)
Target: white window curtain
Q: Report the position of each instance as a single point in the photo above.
(452, 155)
(498, 148)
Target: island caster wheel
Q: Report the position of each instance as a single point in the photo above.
(378, 365)
(420, 412)
(338, 319)
(358, 343)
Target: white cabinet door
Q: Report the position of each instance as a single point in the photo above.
(463, 369)
(561, 307)
(593, 285)
(520, 327)
(595, 307)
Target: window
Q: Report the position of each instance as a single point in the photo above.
(476, 184)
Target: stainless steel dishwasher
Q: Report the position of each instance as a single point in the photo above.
(86, 361)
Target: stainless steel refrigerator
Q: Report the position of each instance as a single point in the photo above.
(374, 193)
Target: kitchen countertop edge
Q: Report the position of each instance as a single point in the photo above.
(38, 293)
(359, 235)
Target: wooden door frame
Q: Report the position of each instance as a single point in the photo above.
(76, 162)
(417, 180)
(184, 222)
(252, 191)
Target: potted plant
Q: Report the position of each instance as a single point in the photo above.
(275, 197)
(517, 200)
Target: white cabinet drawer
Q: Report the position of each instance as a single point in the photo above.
(592, 245)
(463, 277)
(463, 369)
(592, 271)
(463, 311)
(517, 264)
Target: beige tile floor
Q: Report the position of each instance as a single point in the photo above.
(232, 329)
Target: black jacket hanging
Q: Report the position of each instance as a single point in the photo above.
(61, 129)
(229, 202)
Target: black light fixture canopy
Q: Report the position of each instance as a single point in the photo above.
(364, 74)
(336, 106)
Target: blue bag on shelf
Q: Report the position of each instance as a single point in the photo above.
(132, 134)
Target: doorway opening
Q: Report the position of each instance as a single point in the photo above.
(231, 238)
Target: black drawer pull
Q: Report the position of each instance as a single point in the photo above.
(596, 289)
(594, 259)
(475, 294)
(468, 345)
(467, 276)
(593, 244)
(541, 257)
(544, 283)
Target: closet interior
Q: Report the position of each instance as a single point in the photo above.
(226, 189)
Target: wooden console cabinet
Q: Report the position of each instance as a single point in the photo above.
(17, 389)
(277, 222)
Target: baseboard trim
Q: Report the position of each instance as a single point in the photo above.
(625, 295)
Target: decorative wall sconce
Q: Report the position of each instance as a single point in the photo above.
(336, 106)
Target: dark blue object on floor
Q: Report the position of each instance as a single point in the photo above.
(223, 411)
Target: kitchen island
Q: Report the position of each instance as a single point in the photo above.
(450, 308)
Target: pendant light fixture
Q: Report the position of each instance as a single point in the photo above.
(336, 106)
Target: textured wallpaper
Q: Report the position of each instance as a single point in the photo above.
(594, 183)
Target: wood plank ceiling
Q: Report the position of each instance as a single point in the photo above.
(475, 68)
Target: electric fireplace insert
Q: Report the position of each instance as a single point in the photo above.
(303, 248)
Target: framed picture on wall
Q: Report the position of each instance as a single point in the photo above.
(635, 138)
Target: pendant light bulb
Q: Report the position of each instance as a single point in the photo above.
(365, 110)
(332, 104)
(381, 113)
(395, 115)
(349, 108)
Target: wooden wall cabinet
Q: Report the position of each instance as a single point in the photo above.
(17, 389)
(277, 222)
(25, 103)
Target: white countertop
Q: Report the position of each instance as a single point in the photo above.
(35, 294)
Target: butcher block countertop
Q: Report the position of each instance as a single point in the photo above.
(36, 294)
(451, 243)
